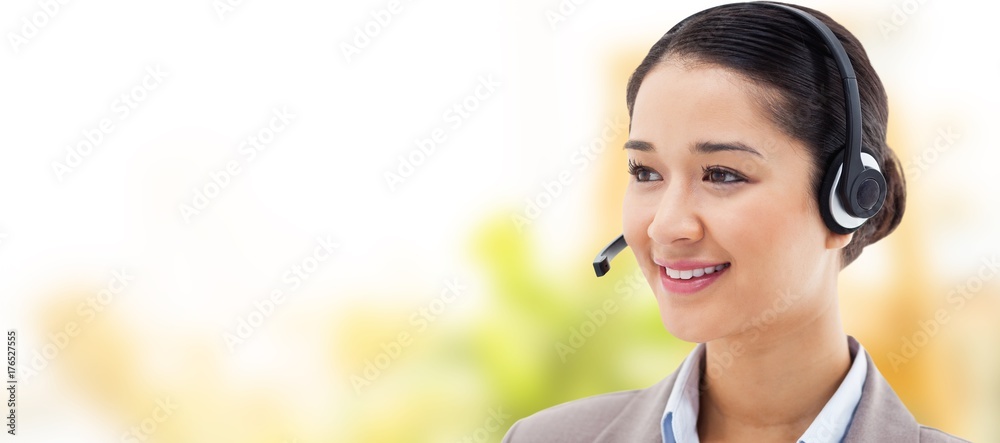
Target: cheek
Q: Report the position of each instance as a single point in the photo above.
(750, 229)
(776, 241)
(637, 214)
(769, 225)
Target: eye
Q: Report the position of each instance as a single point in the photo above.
(641, 172)
(720, 175)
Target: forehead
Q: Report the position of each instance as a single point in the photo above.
(687, 103)
(675, 96)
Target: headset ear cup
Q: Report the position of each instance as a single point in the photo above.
(825, 202)
(830, 206)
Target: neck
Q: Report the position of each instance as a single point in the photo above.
(769, 385)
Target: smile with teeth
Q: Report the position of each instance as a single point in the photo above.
(692, 273)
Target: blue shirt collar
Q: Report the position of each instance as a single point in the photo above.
(680, 416)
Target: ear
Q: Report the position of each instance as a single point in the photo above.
(838, 241)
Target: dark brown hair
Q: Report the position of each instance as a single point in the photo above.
(798, 83)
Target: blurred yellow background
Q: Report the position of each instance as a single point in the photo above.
(291, 222)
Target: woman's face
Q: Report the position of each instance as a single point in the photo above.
(720, 184)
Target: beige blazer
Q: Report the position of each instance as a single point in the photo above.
(634, 416)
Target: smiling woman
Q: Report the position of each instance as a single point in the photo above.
(759, 171)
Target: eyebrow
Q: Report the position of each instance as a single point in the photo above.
(700, 147)
(639, 145)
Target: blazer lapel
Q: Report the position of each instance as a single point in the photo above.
(880, 415)
(639, 420)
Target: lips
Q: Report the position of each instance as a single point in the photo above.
(687, 274)
(690, 277)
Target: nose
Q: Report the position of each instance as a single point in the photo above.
(676, 219)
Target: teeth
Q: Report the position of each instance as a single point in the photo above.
(691, 273)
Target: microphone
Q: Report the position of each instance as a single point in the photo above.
(602, 264)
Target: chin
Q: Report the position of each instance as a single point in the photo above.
(687, 326)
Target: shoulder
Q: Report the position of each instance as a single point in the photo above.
(603, 416)
(571, 421)
(882, 416)
(932, 435)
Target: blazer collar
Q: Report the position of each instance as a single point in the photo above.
(880, 415)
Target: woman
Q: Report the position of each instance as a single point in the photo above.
(741, 214)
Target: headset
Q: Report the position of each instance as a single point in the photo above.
(854, 177)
